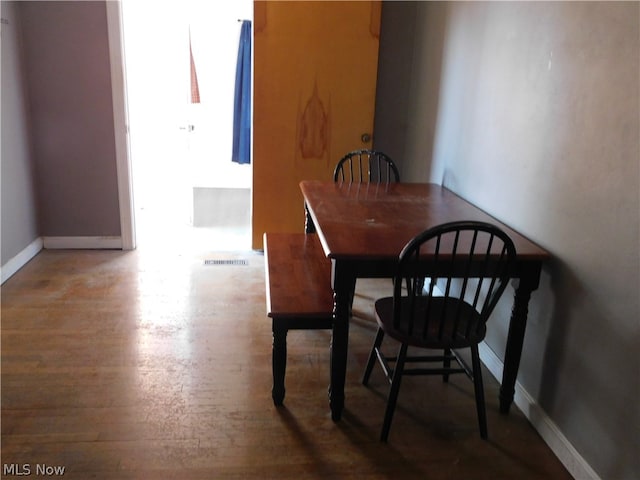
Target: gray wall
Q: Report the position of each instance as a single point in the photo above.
(58, 148)
(18, 204)
(531, 111)
(68, 80)
(69, 83)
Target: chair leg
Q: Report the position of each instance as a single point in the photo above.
(479, 391)
(372, 356)
(446, 364)
(393, 392)
(279, 363)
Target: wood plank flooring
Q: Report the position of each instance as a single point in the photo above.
(152, 365)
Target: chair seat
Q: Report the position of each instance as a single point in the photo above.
(459, 329)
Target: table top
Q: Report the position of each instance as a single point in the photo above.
(371, 221)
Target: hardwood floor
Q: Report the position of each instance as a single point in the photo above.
(152, 365)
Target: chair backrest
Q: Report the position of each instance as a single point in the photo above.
(468, 261)
(366, 166)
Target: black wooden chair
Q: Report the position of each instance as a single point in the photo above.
(366, 166)
(361, 166)
(470, 262)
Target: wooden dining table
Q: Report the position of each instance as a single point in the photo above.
(363, 228)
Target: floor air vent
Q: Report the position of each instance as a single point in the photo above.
(226, 262)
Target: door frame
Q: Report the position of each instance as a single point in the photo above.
(121, 125)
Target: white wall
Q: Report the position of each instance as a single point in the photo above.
(215, 35)
(157, 60)
(534, 117)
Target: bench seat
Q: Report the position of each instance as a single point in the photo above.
(298, 293)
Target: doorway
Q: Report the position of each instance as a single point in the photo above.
(187, 191)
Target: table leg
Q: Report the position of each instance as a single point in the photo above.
(339, 343)
(279, 363)
(515, 340)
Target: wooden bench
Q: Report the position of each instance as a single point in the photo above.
(299, 294)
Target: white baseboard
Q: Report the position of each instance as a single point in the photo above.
(20, 260)
(91, 243)
(548, 430)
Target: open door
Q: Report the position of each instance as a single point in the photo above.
(178, 150)
(315, 68)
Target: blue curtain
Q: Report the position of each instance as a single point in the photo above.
(242, 101)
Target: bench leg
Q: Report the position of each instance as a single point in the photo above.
(279, 363)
